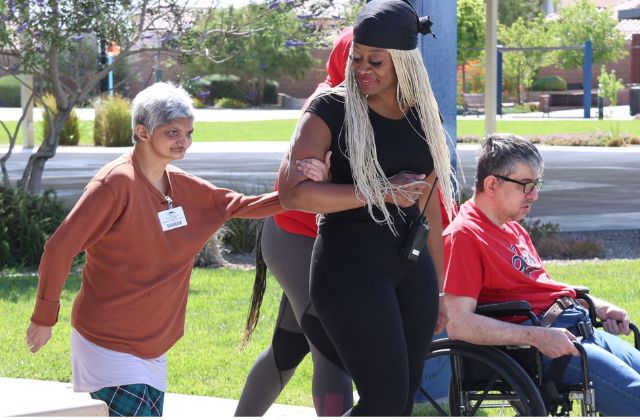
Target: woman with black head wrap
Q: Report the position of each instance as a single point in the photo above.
(389, 152)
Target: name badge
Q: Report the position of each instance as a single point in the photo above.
(172, 219)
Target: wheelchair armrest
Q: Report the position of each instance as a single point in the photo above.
(634, 330)
(581, 291)
(516, 307)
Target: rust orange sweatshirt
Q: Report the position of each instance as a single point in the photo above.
(136, 278)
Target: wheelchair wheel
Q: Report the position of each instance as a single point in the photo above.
(484, 381)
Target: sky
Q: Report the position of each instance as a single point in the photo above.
(206, 3)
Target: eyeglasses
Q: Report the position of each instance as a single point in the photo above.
(527, 187)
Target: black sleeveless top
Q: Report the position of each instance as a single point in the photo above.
(400, 147)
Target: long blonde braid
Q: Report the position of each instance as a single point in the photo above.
(414, 90)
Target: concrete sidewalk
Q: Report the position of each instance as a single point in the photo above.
(201, 115)
(620, 112)
(33, 398)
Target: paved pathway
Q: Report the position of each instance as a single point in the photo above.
(620, 112)
(585, 189)
(28, 397)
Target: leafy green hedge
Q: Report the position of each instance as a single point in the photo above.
(26, 222)
(549, 83)
(230, 103)
(270, 92)
(9, 92)
(212, 87)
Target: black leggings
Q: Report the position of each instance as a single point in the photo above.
(288, 257)
(379, 310)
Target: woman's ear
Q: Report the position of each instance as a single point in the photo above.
(142, 133)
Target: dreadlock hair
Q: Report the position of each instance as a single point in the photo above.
(414, 90)
(259, 287)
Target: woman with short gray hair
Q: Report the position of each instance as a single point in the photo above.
(141, 222)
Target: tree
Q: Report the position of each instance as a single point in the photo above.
(583, 21)
(521, 66)
(471, 21)
(610, 85)
(280, 43)
(35, 36)
(510, 10)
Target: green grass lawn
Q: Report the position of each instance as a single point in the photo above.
(207, 360)
(282, 129)
(544, 127)
(203, 131)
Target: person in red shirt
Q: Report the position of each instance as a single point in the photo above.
(286, 244)
(489, 258)
(141, 222)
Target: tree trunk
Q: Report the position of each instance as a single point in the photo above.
(32, 175)
(6, 181)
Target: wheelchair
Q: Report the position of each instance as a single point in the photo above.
(508, 380)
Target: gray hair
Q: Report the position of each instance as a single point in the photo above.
(502, 152)
(158, 104)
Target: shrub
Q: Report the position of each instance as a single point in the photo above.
(230, 103)
(112, 124)
(9, 92)
(569, 248)
(270, 92)
(213, 87)
(470, 138)
(239, 235)
(70, 132)
(211, 253)
(576, 139)
(615, 142)
(197, 88)
(224, 86)
(609, 84)
(26, 222)
(198, 103)
(549, 83)
(552, 246)
(538, 230)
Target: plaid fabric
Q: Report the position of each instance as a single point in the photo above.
(136, 400)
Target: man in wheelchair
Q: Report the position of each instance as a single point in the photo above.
(489, 258)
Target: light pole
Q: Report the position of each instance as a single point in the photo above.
(112, 51)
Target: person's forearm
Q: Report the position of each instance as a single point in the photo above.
(479, 329)
(600, 306)
(54, 267)
(320, 197)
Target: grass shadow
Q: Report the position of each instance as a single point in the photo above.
(15, 287)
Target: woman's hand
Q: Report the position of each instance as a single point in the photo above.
(37, 336)
(412, 186)
(315, 169)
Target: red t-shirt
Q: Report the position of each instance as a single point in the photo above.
(493, 264)
(299, 222)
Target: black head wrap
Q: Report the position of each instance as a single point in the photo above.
(390, 24)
